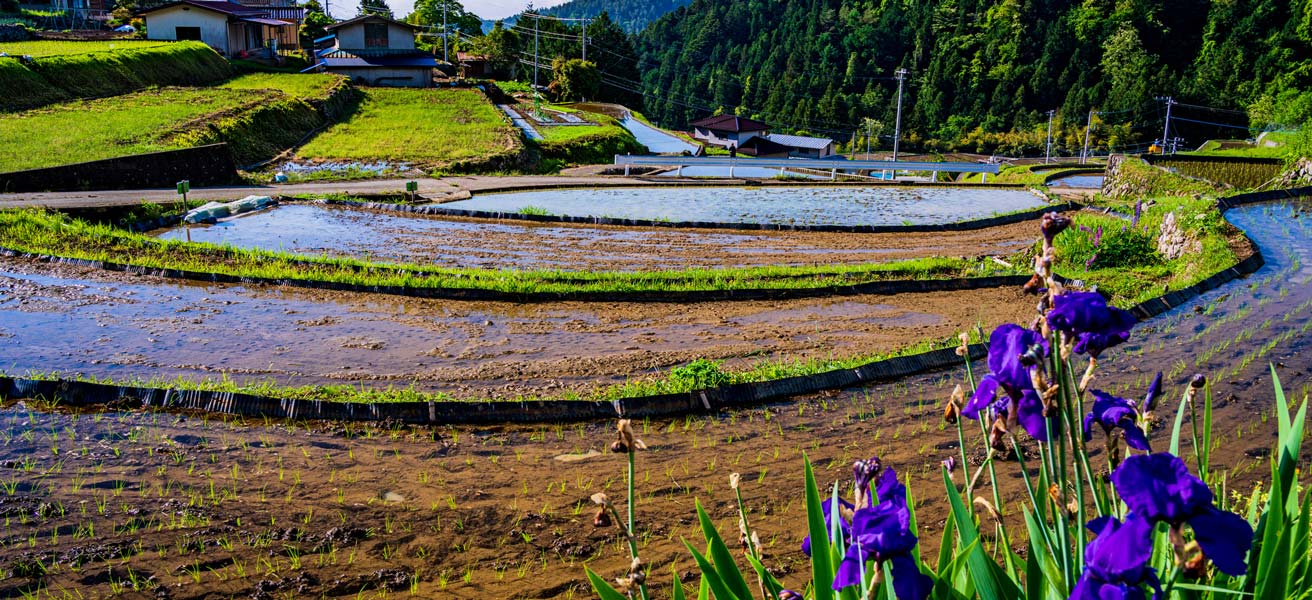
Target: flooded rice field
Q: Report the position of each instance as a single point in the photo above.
(185, 506)
(1078, 181)
(781, 205)
(76, 320)
(452, 242)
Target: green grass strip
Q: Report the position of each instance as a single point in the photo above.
(45, 233)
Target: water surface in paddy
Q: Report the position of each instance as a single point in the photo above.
(1078, 181)
(774, 204)
(481, 243)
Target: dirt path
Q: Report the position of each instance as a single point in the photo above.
(427, 187)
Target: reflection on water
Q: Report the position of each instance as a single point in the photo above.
(780, 205)
(1078, 181)
(332, 231)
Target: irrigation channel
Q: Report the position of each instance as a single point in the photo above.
(195, 506)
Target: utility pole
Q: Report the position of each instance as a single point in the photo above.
(537, 112)
(1047, 154)
(1088, 125)
(867, 140)
(1166, 131)
(444, 46)
(585, 39)
(897, 127)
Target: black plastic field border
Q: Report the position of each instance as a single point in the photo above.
(435, 210)
(893, 286)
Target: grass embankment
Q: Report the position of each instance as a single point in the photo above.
(257, 115)
(430, 128)
(586, 144)
(1033, 175)
(43, 48)
(107, 73)
(53, 234)
(1125, 262)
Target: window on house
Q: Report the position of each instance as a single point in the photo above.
(188, 33)
(375, 35)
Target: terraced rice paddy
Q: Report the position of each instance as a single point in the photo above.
(779, 205)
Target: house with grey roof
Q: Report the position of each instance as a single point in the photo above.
(800, 146)
(376, 50)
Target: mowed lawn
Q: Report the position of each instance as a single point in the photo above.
(428, 127)
(39, 48)
(108, 127)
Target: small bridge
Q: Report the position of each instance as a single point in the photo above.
(832, 166)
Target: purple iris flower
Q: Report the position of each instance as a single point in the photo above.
(1154, 390)
(1007, 344)
(844, 527)
(1116, 562)
(883, 533)
(1159, 487)
(1112, 413)
(1096, 325)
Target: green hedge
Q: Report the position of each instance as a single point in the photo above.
(99, 74)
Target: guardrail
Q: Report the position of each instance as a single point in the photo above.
(833, 166)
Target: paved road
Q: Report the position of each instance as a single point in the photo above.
(427, 187)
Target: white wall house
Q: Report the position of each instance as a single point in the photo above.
(727, 130)
(231, 29)
(375, 50)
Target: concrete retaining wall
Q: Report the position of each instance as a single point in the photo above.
(203, 165)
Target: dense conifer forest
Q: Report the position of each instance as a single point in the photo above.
(982, 75)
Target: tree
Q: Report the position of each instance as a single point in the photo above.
(429, 13)
(575, 79)
(375, 7)
(312, 28)
(501, 49)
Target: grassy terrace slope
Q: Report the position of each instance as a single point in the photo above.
(426, 128)
(43, 48)
(69, 70)
(163, 119)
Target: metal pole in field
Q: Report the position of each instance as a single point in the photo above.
(1084, 154)
(897, 127)
(585, 39)
(867, 141)
(1047, 153)
(444, 46)
(535, 55)
(1166, 131)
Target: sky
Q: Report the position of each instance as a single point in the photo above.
(488, 9)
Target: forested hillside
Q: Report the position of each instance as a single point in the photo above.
(630, 15)
(981, 66)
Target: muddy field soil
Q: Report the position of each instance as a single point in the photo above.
(181, 506)
(455, 242)
(80, 320)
